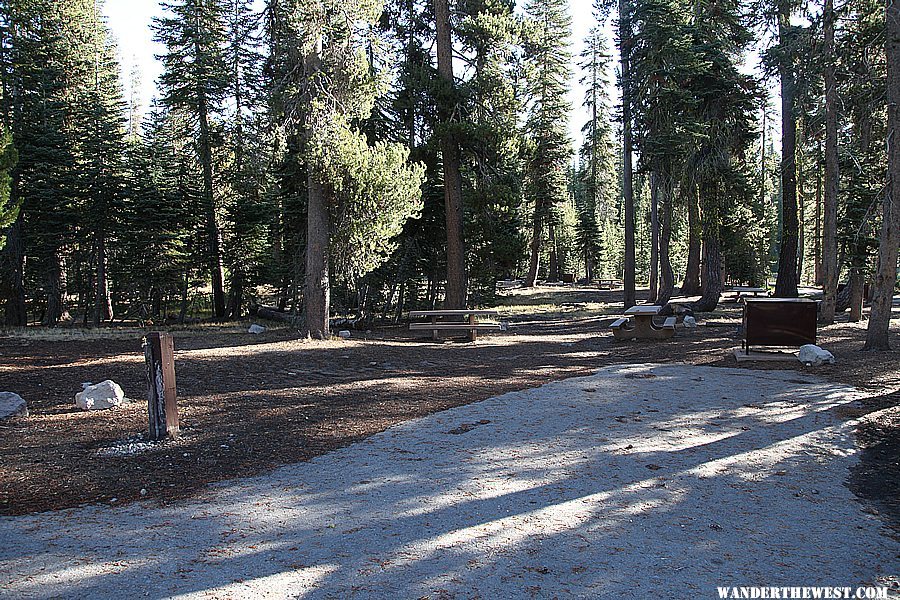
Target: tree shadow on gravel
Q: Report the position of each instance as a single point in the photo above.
(598, 500)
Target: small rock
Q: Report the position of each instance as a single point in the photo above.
(12, 405)
(813, 356)
(689, 321)
(143, 491)
(344, 334)
(106, 394)
(254, 328)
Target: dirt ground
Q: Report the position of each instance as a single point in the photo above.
(249, 403)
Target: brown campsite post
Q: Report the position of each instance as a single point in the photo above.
(159, 353)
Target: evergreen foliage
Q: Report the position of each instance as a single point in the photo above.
(307, 149)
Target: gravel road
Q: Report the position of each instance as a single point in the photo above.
(637, 482)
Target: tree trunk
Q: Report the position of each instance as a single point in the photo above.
(212, 229)
(102, 303)
(455, 296)
(801, 223)
(886, 275)
(56, 290)
(830, 269)
(401, 300)
(817, 248)
(627, 143)
(857, 286)
(712, 260)
(182, 312)
(534, 261)
(654, 236)
(236, 296)
(691, 284)
(588, 266)
(13, 257)
(317, 295)
(553, 264)
(666, 276)
(786, 284)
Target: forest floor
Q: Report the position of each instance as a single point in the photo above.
(249, 403)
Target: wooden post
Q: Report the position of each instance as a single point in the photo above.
(159, 353)
(473, 333)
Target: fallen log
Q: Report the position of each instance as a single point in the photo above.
(273, 314)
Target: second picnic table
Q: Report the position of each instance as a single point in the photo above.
(743, 291)
(469, 321)
(642, 326)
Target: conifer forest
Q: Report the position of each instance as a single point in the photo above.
(356, 159)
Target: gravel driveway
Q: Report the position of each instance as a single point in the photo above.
(637, 482)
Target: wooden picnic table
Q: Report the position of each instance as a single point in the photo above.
(638, 324)
(743, 291)
(468, 323)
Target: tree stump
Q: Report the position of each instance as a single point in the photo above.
(162, 407)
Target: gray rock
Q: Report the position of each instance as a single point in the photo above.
(690, 321)
(12, 405)
(256, 329)
(106, 394)
(813, 356)
(344, 334)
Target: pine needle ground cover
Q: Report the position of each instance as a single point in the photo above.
(251, 403)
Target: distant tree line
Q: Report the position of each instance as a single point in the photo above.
(360, 158)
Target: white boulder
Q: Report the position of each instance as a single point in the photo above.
(344, 334)
(12, 405)
(106, 394)
(813, 356)
(689, 321)
(256, 329)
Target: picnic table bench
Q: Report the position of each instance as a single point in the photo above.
(642, 325)
(608, 284)
(469, 321)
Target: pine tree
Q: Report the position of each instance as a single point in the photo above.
(830, 271)
(159, 212)
(492, 150)
(548, 55)
(886, 274)
(247, 206)
(46, 59)
(724, 100)
(447, 100)
(9, 211)
(195, 80)
(595, 196)
(100, 119)
(862, 160)
(625, 40)
(784, 57)
(663, 57)
(364, 193)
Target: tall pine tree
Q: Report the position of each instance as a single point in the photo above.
(548, 55)
(195, 81)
